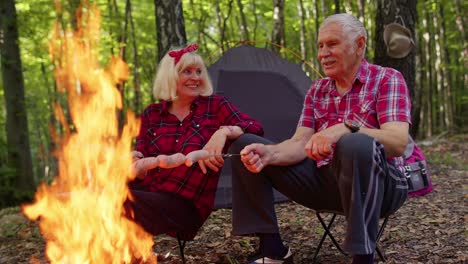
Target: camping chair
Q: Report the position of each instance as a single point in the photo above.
(244, 74)
(181, 243)
(327, 232)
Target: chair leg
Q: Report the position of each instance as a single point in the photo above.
(325, 234)
(379, 235)
(181, 247)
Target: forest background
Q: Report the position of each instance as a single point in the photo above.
(141, 31)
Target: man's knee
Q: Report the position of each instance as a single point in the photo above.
(354, 145)
(244, 140)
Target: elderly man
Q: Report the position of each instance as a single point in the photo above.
(344, 156)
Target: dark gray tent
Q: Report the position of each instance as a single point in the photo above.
(265, 86)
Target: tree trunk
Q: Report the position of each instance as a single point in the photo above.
(300, 12)
(403, 12)
(136, 63)
(170, 25)
(222, 22)
(278, 24)
(461, 74)
(19, 152)
(254, 12)
(244, 28)
(447, 80)
(337, 7)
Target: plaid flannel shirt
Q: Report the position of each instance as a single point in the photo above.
(163, 133)
(378, 95)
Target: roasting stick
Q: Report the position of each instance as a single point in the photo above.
(141, 165)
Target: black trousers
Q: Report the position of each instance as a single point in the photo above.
(359, 183)
(162, 212)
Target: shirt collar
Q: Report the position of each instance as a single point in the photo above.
(361, 76)
(166, 104)
(362, 72)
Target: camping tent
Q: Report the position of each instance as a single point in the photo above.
(265, 86)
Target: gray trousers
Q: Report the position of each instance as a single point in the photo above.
(360, 183)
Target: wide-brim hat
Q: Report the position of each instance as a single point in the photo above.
(398, 40)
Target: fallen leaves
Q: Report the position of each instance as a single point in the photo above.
(430, 229)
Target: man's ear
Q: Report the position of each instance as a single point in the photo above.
(361, 45)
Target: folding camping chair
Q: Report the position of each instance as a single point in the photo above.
(181, 243)
(327, 232)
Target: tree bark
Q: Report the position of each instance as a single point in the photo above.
(300, 12)
(278, 24)
(19, 152)
(244, 28)
(403, 12)
(136, 63)
(170, 25)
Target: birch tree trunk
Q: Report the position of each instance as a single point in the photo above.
(278, 24)
(170, 25)
(19, 153)
(303, 44)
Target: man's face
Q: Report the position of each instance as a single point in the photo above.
(336, 55)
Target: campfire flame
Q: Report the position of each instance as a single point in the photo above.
(81, 212)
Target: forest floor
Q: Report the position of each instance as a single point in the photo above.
(428, 229)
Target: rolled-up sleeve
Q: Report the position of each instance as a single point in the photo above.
(229, 114)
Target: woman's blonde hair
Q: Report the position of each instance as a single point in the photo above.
(167, 74)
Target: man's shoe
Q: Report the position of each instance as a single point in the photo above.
(261, 259)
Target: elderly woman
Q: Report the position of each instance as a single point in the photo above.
(187, 118)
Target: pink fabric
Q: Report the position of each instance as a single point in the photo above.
(417, 155)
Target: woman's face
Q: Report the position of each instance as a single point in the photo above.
(190, 82)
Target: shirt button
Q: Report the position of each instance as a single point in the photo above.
(176, 140)
(180, 124)
(154, 134)
(339, 119)
(197, 125)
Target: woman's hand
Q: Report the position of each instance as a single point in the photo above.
(136, 155)
(214, 147)
(196, 156)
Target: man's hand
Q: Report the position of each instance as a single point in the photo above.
(320, 144)
(255, 157)
(319, 147)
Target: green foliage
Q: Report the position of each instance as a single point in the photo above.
(36, 19)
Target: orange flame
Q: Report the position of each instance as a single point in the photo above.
(81, 212)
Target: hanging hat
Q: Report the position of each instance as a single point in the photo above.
(398, 40)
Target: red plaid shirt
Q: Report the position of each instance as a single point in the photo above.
(378, 95)
(163, 133)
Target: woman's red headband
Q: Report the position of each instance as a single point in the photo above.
(177, 54)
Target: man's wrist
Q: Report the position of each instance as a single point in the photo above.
(352, 125)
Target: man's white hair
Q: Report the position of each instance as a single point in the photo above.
(352, 27)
